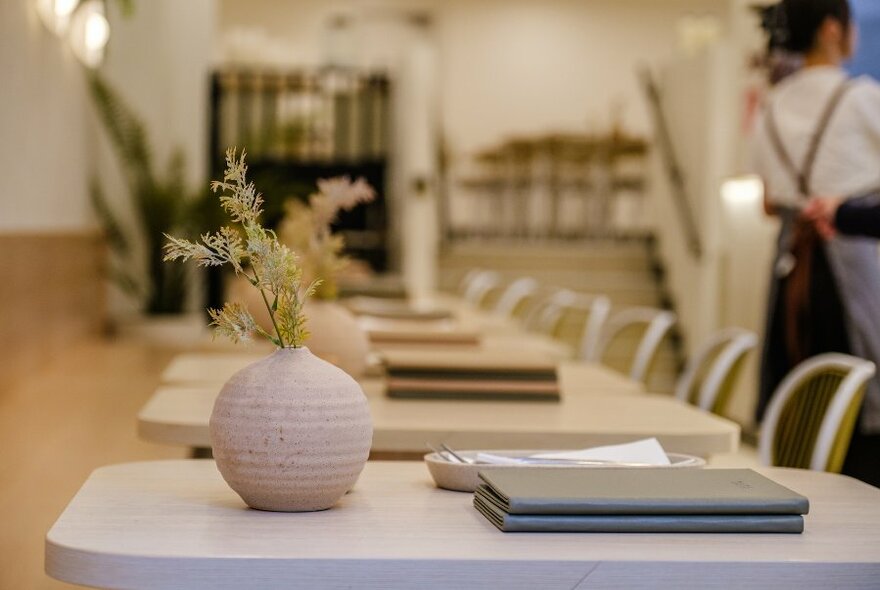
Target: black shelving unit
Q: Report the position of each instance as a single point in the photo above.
(301, 126)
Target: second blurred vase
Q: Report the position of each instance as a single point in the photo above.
(336, 336)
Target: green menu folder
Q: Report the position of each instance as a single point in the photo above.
(640, 491)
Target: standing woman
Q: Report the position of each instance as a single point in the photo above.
(819, 134)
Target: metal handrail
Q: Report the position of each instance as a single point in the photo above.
(670, 162)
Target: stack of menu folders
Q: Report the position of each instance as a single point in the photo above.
(641, 500)
(461, 374)
(470, 384)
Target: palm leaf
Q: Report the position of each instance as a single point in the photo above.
(113, 231)
(126, 7)
(125, 280)
(161, 205)
(125, 130)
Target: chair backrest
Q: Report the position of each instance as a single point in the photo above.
(655, 324)
(514, 295)
(811, 416)
(550, 313)
(466, 281)
(479, 285)
(710, 375)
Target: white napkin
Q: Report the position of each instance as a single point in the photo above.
(646, 451)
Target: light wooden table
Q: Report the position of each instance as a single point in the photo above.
(598, 407)
(176, 525)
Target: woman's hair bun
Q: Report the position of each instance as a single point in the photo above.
(792, 25)
(775, 24)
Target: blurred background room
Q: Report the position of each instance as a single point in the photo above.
(598, 148)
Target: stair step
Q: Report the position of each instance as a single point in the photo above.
(590, 256)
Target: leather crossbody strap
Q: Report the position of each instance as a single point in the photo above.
(796, 289)
(803, 174)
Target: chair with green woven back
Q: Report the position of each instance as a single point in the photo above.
(477, 284)
(574, 318)
(709, 378)
(812, 414)
(631, 339)
(514, 298)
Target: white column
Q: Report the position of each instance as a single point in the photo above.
(417, 137)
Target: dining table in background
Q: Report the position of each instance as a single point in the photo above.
(216, 361)
(207, 366)
(597, 407)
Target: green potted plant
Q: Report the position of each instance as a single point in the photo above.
(290, 432)
(160, 204)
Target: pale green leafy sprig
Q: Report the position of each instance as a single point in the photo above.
(235, 322)
(244, 204)
(270, 266)
(292, 326)
(223, 247)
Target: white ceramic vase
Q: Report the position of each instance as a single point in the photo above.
(336, 336)
(291, 432)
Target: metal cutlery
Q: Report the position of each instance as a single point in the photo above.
(448, 454)
(461, 459)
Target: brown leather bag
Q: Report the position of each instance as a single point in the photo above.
(797, 291)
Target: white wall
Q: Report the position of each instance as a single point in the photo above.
(300, 28)
(521, 66)
(45, 132)
(159, 60)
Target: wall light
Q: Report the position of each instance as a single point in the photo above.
(742, 191)
(89, 33)
(696, 32)
(82, 23)
(56, 14)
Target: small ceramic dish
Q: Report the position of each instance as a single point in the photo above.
(463, 477)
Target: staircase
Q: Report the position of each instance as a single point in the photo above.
(626, 271)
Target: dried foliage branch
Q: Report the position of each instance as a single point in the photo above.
(306, 229)
(256, 253)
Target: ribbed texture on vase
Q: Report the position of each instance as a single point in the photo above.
(291, 432)
(336, 336)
